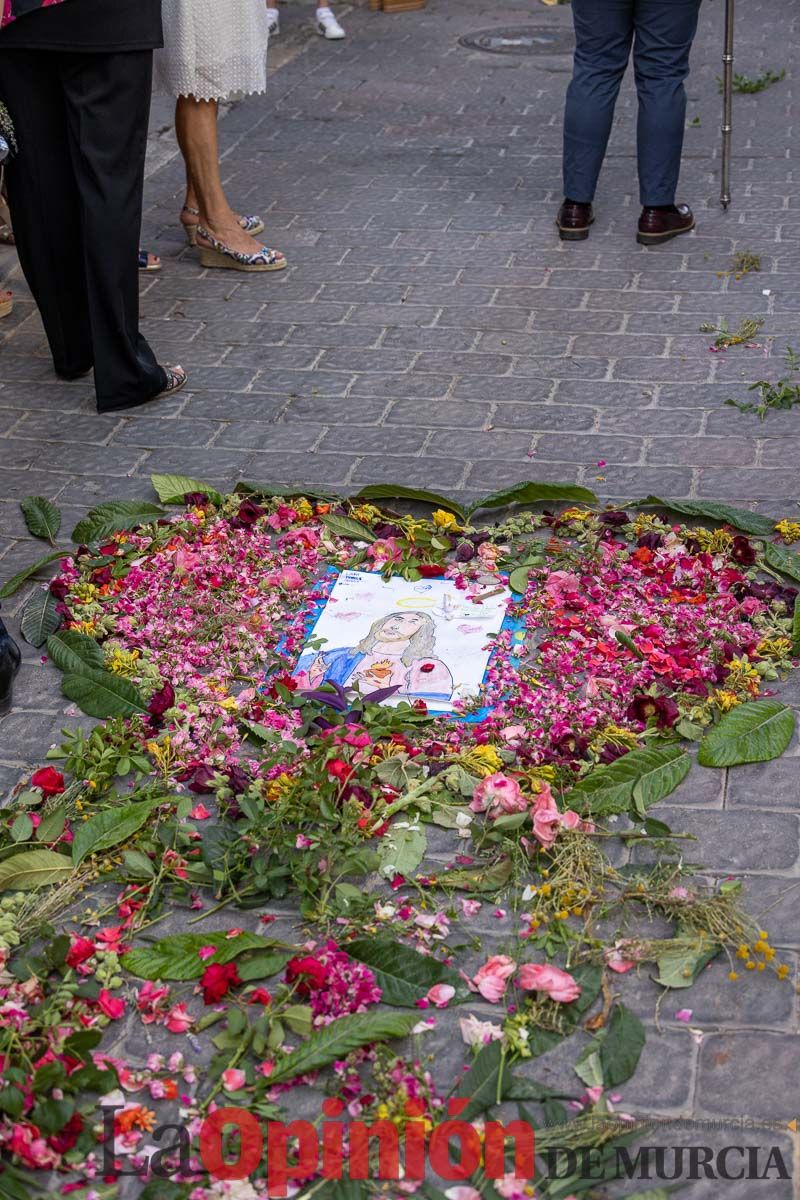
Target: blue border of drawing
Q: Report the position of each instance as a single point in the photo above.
(513, 625)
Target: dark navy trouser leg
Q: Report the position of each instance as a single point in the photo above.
(661, 33)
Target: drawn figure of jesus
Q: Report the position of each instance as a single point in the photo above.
(397, 652)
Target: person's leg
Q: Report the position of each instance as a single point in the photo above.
(603, 33)
(44, 204)
(107, 104)
(196, 131)
(665, 30)
(273, 18)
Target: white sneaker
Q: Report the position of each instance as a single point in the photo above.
(328, 26)
(273, 22)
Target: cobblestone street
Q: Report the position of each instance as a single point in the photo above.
(432, 330)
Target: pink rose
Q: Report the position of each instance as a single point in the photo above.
(233, 1079)
(546, 817)
(493, 976)
(440, 995)
(561, 584)
(112, 1006)
(291, 579)
(200, 813)
(500, 794)
(541, 977)
(179, 1019)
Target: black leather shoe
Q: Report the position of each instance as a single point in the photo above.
(10, 659)
(658, 225)
(573, 221)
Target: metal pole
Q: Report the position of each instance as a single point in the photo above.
(727, 105)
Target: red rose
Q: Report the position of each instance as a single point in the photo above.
(161, 700)
(217, 980)
(79, 951)
(259, 996)
(68, 1135)
(311, 972)
(430, 570)
(49, 780)
(339, 769)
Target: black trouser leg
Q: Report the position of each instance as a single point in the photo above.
(107, 102)
(45, 208)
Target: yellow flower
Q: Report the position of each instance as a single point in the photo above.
(782, 971)
(577, 514)
(229, 704)
(743, 952)
(444, 520)
(732, 975)
(778, 647)
(482, 760)
(726, 700)
(122, 662)
(789, 531)
(303, 509)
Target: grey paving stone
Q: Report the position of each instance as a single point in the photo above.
(765, 785)
(728, 1058)
(736, 839)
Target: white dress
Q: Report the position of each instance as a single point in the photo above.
(213, 49)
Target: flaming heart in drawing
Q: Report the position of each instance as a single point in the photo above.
(381, 671)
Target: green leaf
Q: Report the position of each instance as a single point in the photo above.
(41, 516)
(346, 527)
(398, 491)
(641, 776)
(752, 732)
(40, 618)
(104, 519)
(267, 489)
(518, 580)
(796, 627)
(103, 694)
(726, 514)
(483, 1082)
(21, 828)
(108, 828)
(177, 957)
(402, 973)
(13, 584)
(74, 653)
(341, 1038)
(529, 492)
(479, 879)
(783, 560)
(171, 489)
(33, 869)
(621, 1047)
(403, 848)
(263, 964)
(138, 865)
(51, 826)
(682, 959)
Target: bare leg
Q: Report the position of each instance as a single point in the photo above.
(196, 130)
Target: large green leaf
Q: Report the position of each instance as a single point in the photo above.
(753, 732)
(529, 492)
(783, 560)
(346, 527)
(682, 959)
(33, 869)
(40, 618)
(341, 1038)
(74, 653)
(483, 1082)
(479, 879)
(108, 828)
(621, 1047)
(103, 520)
(171, 489)
(402, 973)
(726, 514)
(177, 957)
(103, 694)
(243, 487)
(796, 627)
(640, 778)
(398, 491)
(13, 584)
(403, 848)
(41, 516)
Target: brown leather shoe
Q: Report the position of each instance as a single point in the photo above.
(656, 225)
(573, 221)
